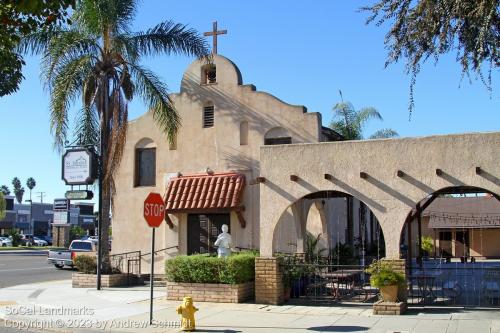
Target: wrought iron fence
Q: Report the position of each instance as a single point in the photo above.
(325, 279)
(473, 284)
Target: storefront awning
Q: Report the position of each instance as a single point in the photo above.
(206, 193)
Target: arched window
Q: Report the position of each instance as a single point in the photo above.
(277, 136)
(208, 115)
(145, 163)
(244, 133)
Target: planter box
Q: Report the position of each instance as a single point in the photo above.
(389, 308)
(208, 292)
(81, 280)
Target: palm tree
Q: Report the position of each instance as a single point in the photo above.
(18, 189)
(3, 206)
(350, 122)
(31, 183)
(5, 190)
(98, 59)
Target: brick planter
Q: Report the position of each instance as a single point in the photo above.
(81, 280)
(208, 292)
(389, 308)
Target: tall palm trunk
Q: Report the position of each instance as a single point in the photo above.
(105, 224)
(104, 220)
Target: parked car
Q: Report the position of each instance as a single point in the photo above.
(4, 241)
(40, 242)
(61, 258)
(48, 239)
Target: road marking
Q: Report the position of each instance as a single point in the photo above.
(23, 269)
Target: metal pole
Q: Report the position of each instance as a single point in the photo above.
(151, 278)
(31, 216)
(99, 222)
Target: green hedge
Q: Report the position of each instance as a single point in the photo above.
(238, 268)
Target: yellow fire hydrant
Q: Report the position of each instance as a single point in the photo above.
(187, 310)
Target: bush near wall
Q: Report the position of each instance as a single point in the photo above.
(86, 264)
(236, 269)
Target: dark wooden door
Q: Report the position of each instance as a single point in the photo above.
(203, 230)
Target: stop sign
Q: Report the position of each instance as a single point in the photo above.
(154, 210)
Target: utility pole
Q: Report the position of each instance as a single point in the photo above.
(41, 195)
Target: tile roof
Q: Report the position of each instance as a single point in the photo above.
(204, 192)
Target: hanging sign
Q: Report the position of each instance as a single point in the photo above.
(79, 195)
(78, 167)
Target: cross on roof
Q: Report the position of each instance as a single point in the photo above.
(214, 34)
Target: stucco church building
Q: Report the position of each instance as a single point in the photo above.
(210, 175)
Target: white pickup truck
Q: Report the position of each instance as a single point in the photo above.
(61, 258)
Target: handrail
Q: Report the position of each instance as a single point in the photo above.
(156, 251)
(124, 253)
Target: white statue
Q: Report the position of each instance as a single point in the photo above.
(224, 243)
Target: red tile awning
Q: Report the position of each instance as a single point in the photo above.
(205, 193)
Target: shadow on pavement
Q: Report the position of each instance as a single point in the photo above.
(338, 328)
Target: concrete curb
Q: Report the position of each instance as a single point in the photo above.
(25, 252)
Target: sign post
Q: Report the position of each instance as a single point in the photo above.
(154, 214)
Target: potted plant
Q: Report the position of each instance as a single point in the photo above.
(292, 270)
(386, 279)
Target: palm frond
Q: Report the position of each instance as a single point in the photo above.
(36, 43)
(366, 114)
(384, 133)
(66, 46)
(154, 94)
(170, 38)
(66, 86)
(87, 129)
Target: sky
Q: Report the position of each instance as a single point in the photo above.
(303, 52)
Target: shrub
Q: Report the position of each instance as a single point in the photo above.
(86, 264)
(383, 274)
(427, 244)
(76, 232)
(16, 237)
(238, 268)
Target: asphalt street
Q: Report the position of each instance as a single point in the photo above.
(22, 269)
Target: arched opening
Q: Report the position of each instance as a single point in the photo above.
(277, 136)
(450, 241)
(326, 240)
(208, 74)
(145, 163)
(244, 133)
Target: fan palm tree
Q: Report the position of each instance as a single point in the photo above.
(98, 58)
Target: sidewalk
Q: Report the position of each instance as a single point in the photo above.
(56, 306)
